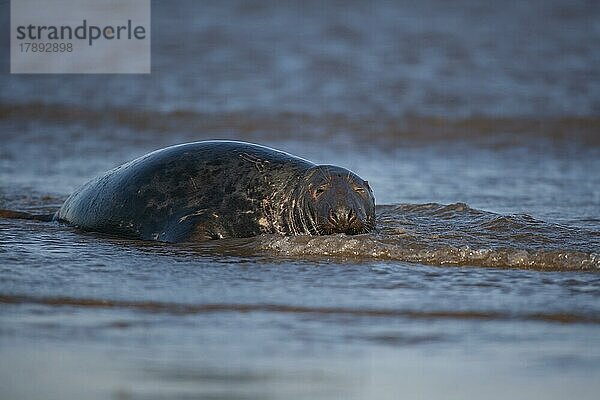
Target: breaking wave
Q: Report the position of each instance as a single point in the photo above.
(454, 234)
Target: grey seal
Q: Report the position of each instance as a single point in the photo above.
(221, 189)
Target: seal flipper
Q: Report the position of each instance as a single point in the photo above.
(194, 227)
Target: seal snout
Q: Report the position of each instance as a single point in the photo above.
(342, 217)
(345, 217)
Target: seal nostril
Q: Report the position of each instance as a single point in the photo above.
(332, 217)
(351, 216)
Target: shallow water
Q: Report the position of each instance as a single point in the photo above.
(475, 124)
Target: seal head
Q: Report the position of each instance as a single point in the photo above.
(334, 200)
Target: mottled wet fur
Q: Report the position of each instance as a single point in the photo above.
(219, 189)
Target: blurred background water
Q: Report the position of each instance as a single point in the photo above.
(475, 122)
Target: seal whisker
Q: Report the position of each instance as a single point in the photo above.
(325, 176)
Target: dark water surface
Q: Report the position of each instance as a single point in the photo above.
(476, 123)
